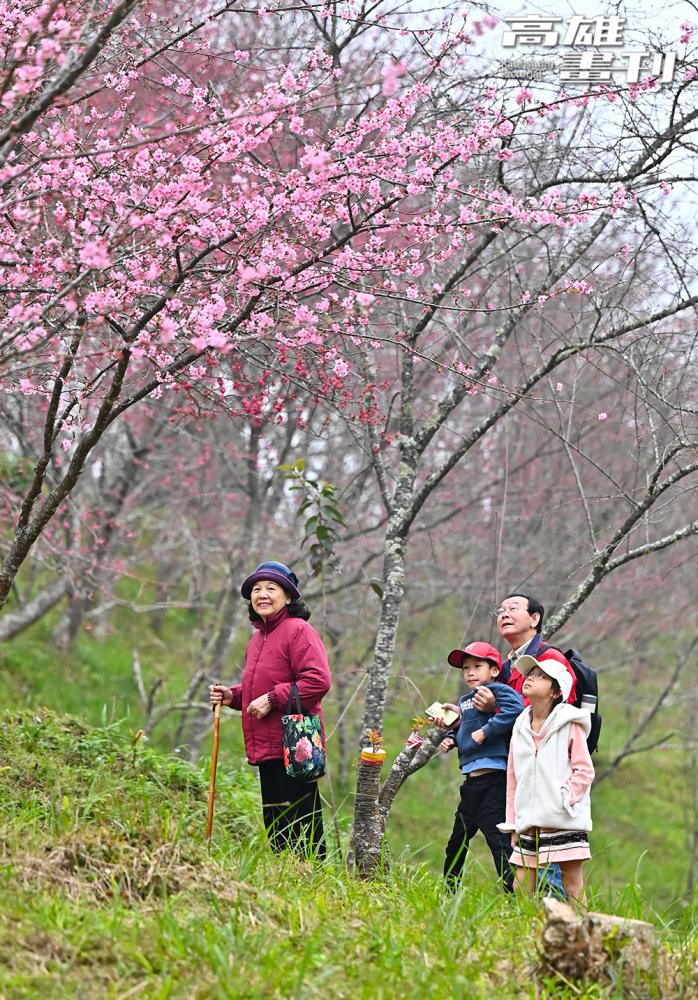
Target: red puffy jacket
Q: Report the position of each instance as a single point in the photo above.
(282, 651)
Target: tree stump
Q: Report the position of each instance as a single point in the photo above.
(600, 947)
(368, 854)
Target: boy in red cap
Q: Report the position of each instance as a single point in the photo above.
(482, 739)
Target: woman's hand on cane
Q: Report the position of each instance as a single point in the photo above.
(219, 694)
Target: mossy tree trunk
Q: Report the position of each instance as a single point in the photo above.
(367, 835)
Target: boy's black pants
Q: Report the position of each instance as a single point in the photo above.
(482, 805)
(292, 811)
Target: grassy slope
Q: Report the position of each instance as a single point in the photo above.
(107, 891)
(640, 819)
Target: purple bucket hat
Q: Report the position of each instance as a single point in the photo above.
(275, 571)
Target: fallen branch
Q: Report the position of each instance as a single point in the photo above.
(14, 622)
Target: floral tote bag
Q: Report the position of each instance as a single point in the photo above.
(304, 754)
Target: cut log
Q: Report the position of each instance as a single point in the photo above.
(601, 948)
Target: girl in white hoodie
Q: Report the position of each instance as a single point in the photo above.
(549, 778)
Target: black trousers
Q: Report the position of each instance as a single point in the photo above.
(482, 805)
(292, 811)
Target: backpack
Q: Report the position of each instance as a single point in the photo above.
(587, 683)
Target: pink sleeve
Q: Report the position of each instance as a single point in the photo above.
(582, 768)
(511, 788)
(236, 690)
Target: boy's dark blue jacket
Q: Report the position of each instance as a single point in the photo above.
(496, 726)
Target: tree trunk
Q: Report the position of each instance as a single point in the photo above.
(368, 838)
(368, 825)
(211, 668)
(68, 627)
(379, 673)
(341, 744)
(217, 642)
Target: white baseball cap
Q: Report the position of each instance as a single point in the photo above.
(558, 671)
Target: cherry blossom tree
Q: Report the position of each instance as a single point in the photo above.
(307, 206)
(521, 336)
(159, 229)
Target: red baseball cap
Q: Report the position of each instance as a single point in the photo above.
(480, 650)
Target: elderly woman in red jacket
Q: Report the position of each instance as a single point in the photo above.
(284, 650)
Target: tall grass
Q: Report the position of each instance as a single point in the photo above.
(640, 814)
(107, 890)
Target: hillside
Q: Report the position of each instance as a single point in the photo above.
(642, 812)
(108, 891)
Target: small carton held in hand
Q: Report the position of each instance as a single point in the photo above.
(438, 713)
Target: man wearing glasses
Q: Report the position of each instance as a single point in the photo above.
(519, 622)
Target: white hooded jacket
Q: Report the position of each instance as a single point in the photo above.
(542, 798)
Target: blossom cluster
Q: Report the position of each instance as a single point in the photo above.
(183, 222)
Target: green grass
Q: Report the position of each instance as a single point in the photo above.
(640, 814)
(107, 890)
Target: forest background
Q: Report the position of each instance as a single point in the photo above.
(323, 283)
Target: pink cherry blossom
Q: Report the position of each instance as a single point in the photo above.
(95, 254)
(687, 30)
(391, 73)
(228, 229)
(523, 96)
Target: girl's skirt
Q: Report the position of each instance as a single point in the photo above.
(535, 848)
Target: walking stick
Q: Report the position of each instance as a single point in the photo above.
(214, 765)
